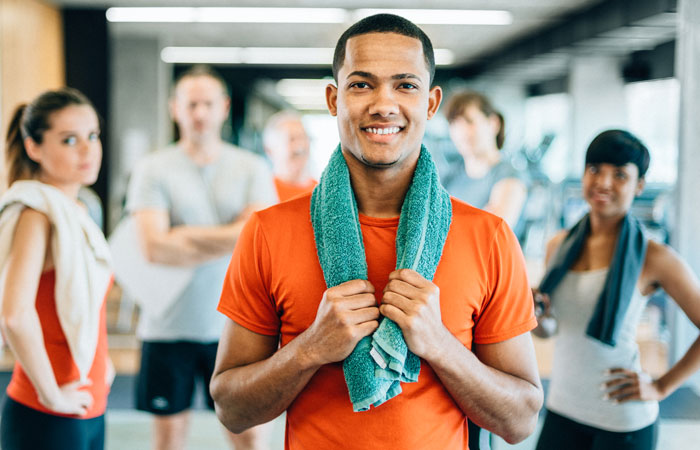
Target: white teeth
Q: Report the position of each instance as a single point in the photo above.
(392, 130)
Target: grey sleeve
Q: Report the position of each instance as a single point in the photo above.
(505, 169)
(261, 189)
(146, 189)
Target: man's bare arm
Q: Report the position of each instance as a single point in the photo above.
(185, 245)
(497, 386)
(253, 382)
(507, 200)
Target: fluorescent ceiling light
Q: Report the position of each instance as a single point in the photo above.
(303, 15)
(297, 87)
(310, 107)
(227, 15)
(266, 55)
(318, 101)
(443, 56)
(445, 16)
(248, 55)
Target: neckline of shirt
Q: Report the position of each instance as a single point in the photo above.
(382, 222)
(591, 271)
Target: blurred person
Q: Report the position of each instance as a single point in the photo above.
(88, 197)
(487, 180)
(286, 143)
(599, 277)
(190, 201)
(306, 277)
(57, 273)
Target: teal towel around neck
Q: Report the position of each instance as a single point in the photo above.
(378, 364)
(620, 283)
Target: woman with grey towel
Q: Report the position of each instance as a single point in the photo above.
(599, 276)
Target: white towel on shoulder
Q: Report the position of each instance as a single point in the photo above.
(81, 259)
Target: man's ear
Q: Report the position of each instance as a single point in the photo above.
(172, 108)
(495, 123)
(32, 150)
(434, 100)
(640, 186)
(227, 106)
(332, 99)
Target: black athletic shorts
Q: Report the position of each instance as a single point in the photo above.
(169, 373)
(23, 428)
(559, 432)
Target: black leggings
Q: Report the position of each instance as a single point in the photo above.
(559, 432)
(25, 428)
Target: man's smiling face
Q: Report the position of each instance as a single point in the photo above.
(383, 99)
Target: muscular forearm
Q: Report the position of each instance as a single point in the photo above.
(497, 401)
(256, 393)
(190, 245)
(25, 338)
(215, 241)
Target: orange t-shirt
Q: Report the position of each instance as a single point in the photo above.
(21, 388)
(275, 283)
(287, 191)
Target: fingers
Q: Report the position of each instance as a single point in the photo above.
(393, 313)
(624, 393)
(409, 276)
(400, 301)
(542, 303)
(402, 287)
(353, 287)
(75, 385)
(626, 385)
(620, 371)
(363, 315)
(367, 328)
(75, 401)
(618, 377)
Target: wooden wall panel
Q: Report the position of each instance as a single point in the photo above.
(31, 54)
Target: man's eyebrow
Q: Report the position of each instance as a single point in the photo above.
(359, 73)
(401, 76)
(398, 76)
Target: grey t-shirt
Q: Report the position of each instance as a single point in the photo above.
(477, 191)
(210, 195)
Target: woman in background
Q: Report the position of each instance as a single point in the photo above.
(487, 180)
(55, 263)
(599, 276)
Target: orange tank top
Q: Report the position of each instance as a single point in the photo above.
(21, 389)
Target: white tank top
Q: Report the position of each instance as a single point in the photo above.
(580, 361)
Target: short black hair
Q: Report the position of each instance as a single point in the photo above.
(618, 147)
(384, 23)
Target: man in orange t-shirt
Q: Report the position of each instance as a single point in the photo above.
(283, 347)
(286, 144)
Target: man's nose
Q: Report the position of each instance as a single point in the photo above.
(199, 111)
(604, 179)
(384, 102)
(83, 146)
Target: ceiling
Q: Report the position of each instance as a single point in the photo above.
(468, 42)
